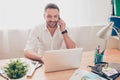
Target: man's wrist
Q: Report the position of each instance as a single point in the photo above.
(65, 31)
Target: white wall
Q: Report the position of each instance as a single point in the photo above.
(28, 13)
(92, 12)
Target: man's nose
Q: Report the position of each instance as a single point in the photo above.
(53, 19)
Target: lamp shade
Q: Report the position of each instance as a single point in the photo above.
(105, 32)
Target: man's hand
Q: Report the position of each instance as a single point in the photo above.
(62, 25)
(33, 55)
(41, 60)
(68, 41)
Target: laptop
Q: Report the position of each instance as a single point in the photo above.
(56, 60)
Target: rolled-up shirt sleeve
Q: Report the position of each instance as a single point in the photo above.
(33, 42)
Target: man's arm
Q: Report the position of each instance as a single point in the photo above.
(68, 41)
(33, 55)
(30, 50)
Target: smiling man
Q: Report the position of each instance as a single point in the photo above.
(52, 35)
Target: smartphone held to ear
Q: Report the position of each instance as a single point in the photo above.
(59, 18)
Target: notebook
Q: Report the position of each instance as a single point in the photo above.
(56, 60)
(85, 75)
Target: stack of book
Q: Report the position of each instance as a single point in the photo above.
(85, 75)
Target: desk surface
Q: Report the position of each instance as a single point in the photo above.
(112, 55)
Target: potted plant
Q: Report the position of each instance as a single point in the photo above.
(16, 69)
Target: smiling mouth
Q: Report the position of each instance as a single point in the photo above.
(52, 24)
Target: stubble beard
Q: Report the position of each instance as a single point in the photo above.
(51, 26)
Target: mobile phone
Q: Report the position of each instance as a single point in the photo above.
(59, 18)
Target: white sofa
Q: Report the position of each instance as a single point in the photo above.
(12, 42)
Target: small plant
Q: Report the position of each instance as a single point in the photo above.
(16, 69)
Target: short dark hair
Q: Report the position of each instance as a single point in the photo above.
(51, 6)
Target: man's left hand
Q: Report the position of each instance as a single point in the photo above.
(62, 25)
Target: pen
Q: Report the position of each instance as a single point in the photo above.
(98, 49)
(4, 76)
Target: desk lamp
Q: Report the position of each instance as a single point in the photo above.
(105, 32)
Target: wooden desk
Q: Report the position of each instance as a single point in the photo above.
(112, 55)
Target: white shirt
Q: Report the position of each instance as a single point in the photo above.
(40, 39)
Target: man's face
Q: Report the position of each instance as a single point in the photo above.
(51, 16)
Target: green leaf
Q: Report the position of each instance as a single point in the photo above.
(16, 69)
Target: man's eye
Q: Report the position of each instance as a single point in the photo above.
(55, 16)
(48, 16)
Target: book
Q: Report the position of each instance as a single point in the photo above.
(109, 71)
(85, 75)
(33, 66)
(116, 7)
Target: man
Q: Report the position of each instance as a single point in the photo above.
(50, 36)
